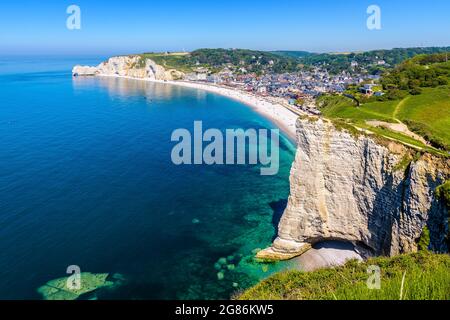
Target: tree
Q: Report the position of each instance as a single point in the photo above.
(300, 101)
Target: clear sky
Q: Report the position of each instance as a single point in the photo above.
(132, 26)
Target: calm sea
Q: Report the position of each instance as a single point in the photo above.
(86, 179)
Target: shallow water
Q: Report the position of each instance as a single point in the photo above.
(86, 179)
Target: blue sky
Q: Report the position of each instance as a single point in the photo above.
(132, 26)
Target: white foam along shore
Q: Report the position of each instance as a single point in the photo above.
(284, 118)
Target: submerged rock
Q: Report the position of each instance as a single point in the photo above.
(231, 267)
(255, 251)
(58, 289)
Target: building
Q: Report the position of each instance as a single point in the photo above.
(262, 89)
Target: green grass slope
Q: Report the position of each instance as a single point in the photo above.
(417, 94)
(427, 114)
(425, 276)
(344, 108)
(171, 61)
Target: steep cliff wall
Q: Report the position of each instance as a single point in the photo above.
(354, 188)
(129, 66)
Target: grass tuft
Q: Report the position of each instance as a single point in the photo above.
(424, 276)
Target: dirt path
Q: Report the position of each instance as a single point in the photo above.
(399, 127)
(397, 108)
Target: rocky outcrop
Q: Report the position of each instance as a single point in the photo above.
(129, 66)
(84, 71)
(359, 189)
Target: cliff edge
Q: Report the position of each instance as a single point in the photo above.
(352, 187)
(129, 66)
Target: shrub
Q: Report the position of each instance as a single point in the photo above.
(443, 192)
(415, 91)
(424, 240)
(425, 276)
(396, 94)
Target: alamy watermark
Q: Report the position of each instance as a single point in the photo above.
(236, 147)
(73, 22)
(374, 19)
(74, 280)
(374, 280)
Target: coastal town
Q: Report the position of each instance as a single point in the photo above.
(299, 89)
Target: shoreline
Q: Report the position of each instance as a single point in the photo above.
(279, 115)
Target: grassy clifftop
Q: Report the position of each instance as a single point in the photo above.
(424, 276)
(217, 59)
(427, 115)
(177, 61)
(417, 97)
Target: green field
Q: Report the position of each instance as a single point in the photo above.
(344, 108)
(417, 94)
(427, 115)
(178, 61)
(424, 276)
(431, 110)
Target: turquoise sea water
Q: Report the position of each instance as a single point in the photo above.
(86, 179)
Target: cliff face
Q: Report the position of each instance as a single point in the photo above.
(129, 66)
(355, 189)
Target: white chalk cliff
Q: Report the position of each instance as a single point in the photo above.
(129, 66)
(352, 188)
